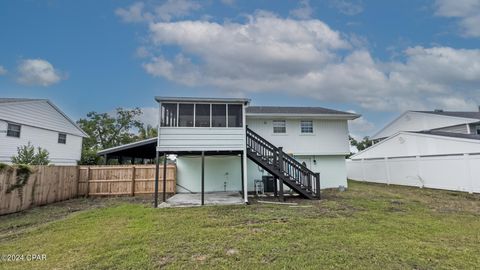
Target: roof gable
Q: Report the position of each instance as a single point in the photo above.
(39, 113)
(418, 121)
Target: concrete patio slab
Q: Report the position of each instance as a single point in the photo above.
(215, 198)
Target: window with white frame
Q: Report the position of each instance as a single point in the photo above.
(235, 115)
(279, 126)
(185, 115)
(219, 115)
(62, 138)
(202, 115)
(13, 130)
(169, 115)
(306, 127)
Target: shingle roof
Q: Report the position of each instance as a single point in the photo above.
(472, 115)
(294, 110)
(10, 100)
(450, 134)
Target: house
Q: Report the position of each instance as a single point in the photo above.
(232, 145)
(41, 123)
(438, 120)
(436, 149)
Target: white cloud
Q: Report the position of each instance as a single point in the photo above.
(360, 126)
(304, 11)
(141, 12)
(467, 11)
(149, 116)
(308, 58)
(348, 7)
(37, 72)
(3, 71)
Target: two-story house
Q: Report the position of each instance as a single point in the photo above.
(231, 145)
(42, 124)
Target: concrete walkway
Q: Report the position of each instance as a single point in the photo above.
(215, 198)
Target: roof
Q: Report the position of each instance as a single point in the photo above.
(145, 148)
(300, 111)
(202, 99)
(472, 115)
(12, 100)
(33, 115)
(449, 134)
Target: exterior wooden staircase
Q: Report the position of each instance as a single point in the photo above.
(283, 167)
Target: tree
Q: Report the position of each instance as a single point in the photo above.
(26, 155)
(146, 132)
(361, 145)
(105, 130)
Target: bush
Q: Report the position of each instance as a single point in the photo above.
(89, 157)
(26, 155)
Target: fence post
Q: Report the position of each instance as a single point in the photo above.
(78, 180)
(466, 158)
(387, 169)
(133, 181)
(88, 181)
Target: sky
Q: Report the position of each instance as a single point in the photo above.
(377, 58)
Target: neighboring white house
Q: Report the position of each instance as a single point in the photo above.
(41, 123)
(436, 149)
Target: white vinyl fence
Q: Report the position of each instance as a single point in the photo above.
(460, 172)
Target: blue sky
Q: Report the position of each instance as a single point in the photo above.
(377, 58)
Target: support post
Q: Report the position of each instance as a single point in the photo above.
(242, 174)
(89, 176)
(317, 183)
(280, 167)
(275, 187)
(203, 177)
(133, 181)
(105, 161)
(156, 179)
(164, 199)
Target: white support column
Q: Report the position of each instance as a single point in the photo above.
(468, 128)
(245, 165)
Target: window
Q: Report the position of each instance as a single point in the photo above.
(169, 115)
(185, 115)
(235, 115)
(13, 130)
(306, 126)
(279, 126)
(202, 115)
(219, 115)
(62, 138)
(478, 130)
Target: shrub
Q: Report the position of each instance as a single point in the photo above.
(26, 155)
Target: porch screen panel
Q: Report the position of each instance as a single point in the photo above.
(169, 115)
(219, 115)
(235, 115)
(202, 115)
(185, 115)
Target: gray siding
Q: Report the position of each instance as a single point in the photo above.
(200, 139)
(463, 129)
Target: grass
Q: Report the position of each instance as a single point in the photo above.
(367, 227)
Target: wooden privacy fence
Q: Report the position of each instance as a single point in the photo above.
(123, 180)
(48, 184)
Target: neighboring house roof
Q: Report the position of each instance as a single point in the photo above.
(471, 115)
(40, 113)
(446, 143)
(450, 134)
(297, 111)
(448, 118)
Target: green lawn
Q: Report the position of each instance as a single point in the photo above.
(367, 227)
